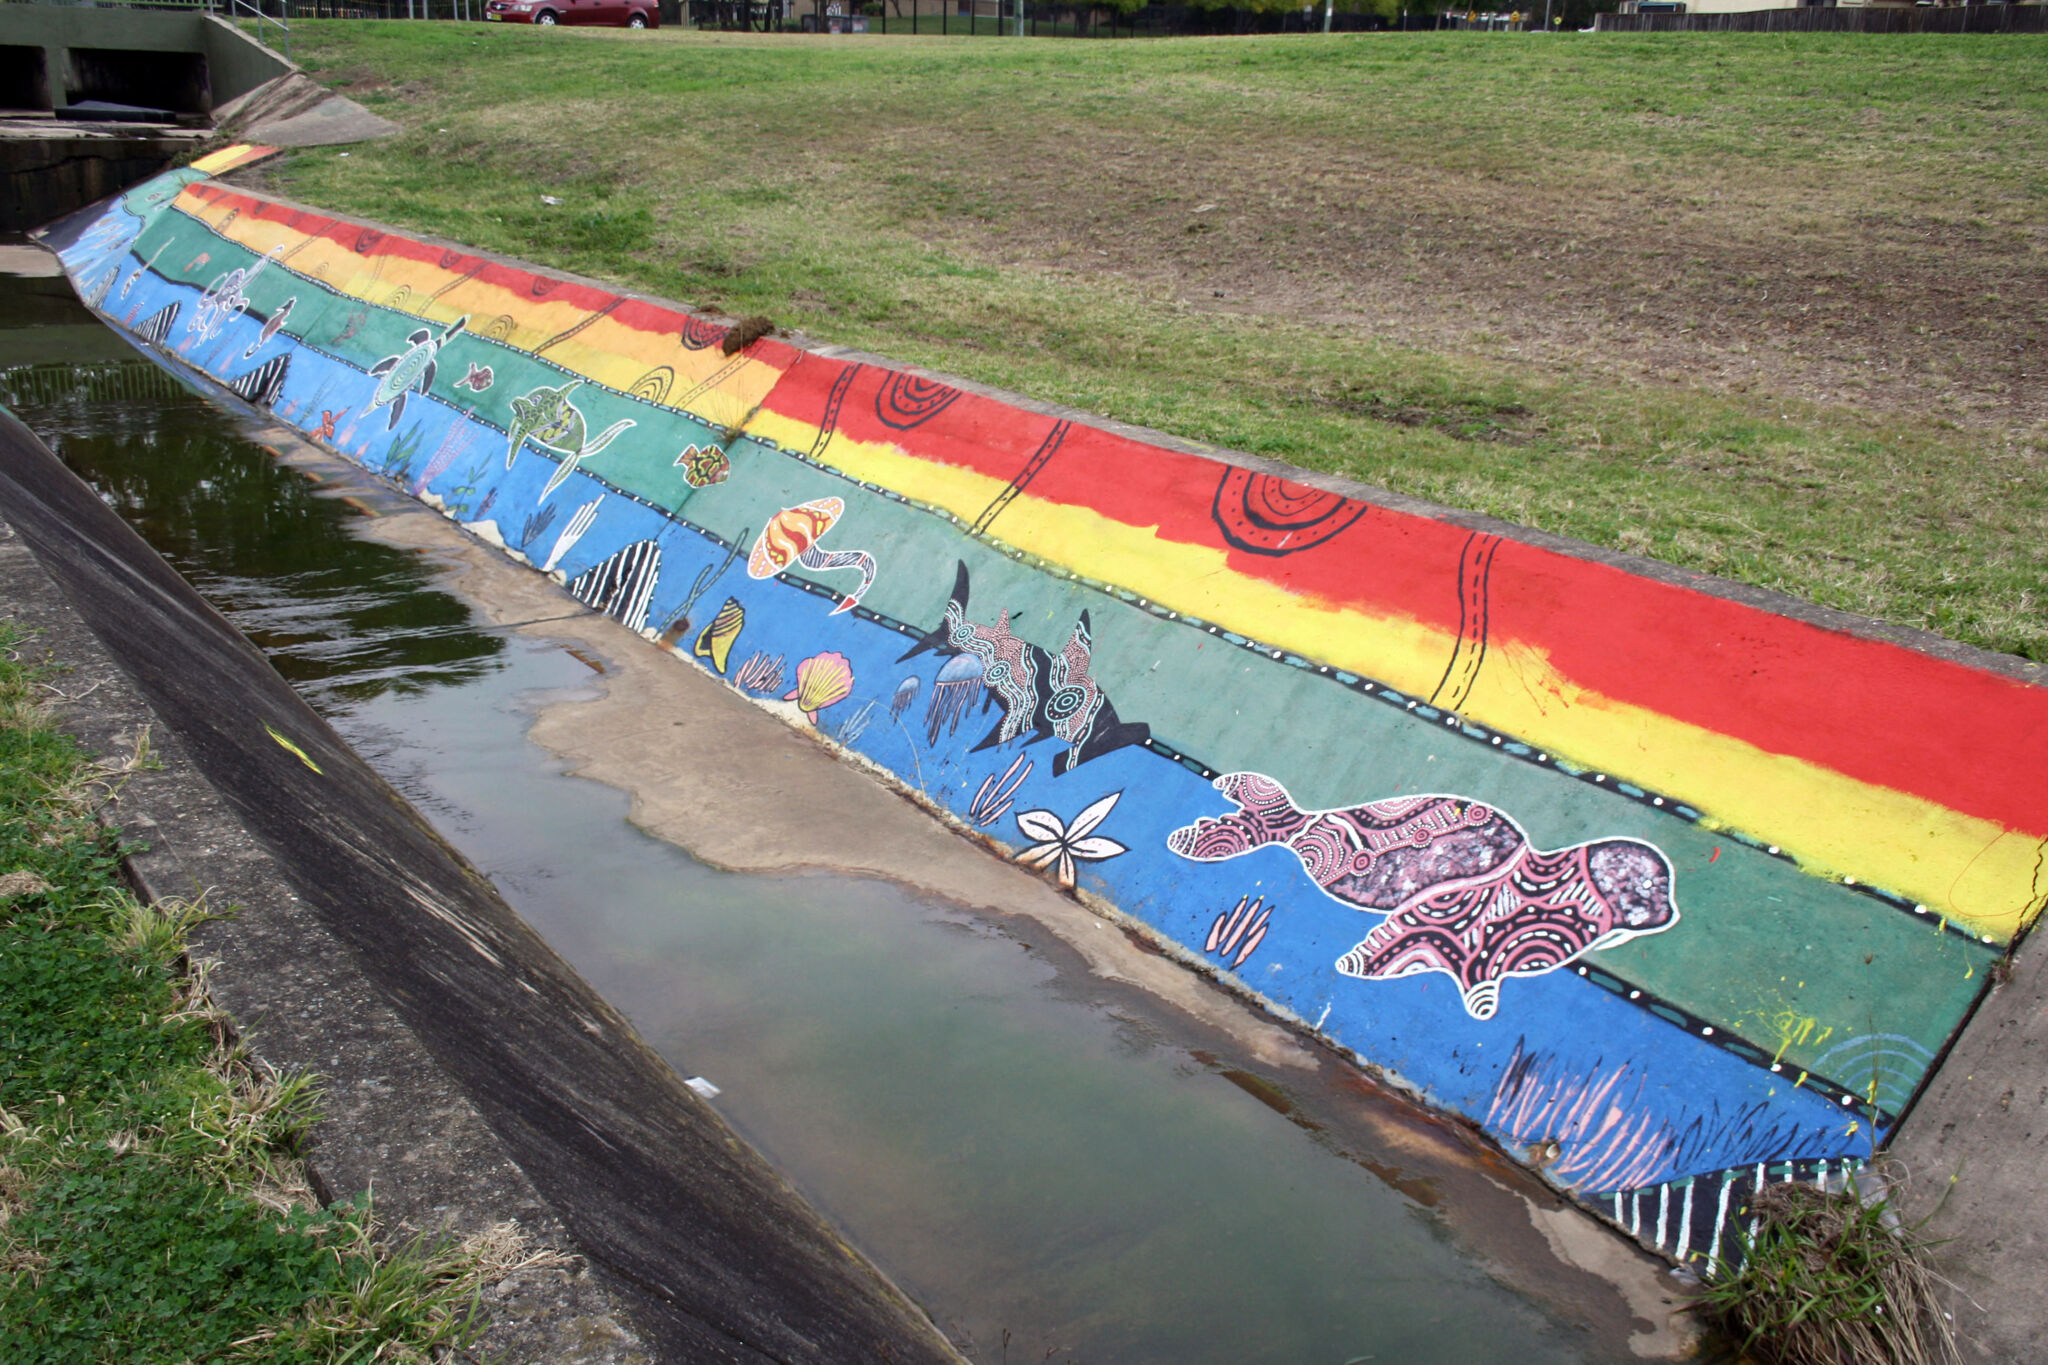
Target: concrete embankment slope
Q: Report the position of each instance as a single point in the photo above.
(1668, 886)
(511, 1088)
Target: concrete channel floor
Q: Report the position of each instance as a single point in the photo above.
(391, 1120)
(471, 1077)
(650, 721)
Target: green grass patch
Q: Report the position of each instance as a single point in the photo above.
(153, 1206)
(1750, 305)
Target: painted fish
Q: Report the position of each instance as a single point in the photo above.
(791, 537)
(1043, 695)
(477, 380)
(412, 368)
(271, 326)
(548, 419)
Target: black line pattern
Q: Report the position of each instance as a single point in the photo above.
(1475, 573)
(1268, 515)
(1039, 459)
(835, 399)
(909, 400)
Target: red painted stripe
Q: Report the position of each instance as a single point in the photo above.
(1879, 713)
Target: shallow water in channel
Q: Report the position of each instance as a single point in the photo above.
(1054, 1168)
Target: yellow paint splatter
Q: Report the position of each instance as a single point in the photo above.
(1789, 1029)
(291, 748)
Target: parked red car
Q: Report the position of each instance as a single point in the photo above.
(624, 13)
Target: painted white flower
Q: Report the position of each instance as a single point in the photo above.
(1059, 844)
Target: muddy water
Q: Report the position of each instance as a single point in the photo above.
(1058, 1166)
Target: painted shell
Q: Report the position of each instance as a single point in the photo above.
(714, 642)
(704, 466)
(821, 680)
(789, 533)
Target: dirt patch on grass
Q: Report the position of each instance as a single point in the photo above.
(1725, 286)
(1772, 310)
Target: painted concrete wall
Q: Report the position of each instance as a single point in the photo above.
(1668, 893)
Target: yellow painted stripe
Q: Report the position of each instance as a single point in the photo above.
(607, 351)
(227, 158)
(1973, 871)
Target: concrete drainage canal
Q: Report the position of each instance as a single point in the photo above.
(1062, 1145)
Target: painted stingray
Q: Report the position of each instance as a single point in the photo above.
(547, 418)
(1043, 695)
(409, 370)
(1463, 891)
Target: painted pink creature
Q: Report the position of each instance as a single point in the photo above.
(1463, 891)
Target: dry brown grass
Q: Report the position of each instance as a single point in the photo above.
(1827, 1279)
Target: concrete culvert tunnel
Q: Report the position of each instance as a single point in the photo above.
(153, 83)
(24, 78)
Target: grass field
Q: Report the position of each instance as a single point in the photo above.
(154, 1208)
(1762, 305)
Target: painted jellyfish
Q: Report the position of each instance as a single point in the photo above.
(905, 696)
(821, 681)
(952, 693)
(792, 535)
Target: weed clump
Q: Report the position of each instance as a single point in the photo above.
(1826, 1279)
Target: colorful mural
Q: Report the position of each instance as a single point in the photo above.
(1668, 894)
(1463, 892)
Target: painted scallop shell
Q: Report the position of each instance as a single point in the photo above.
(821, 680)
